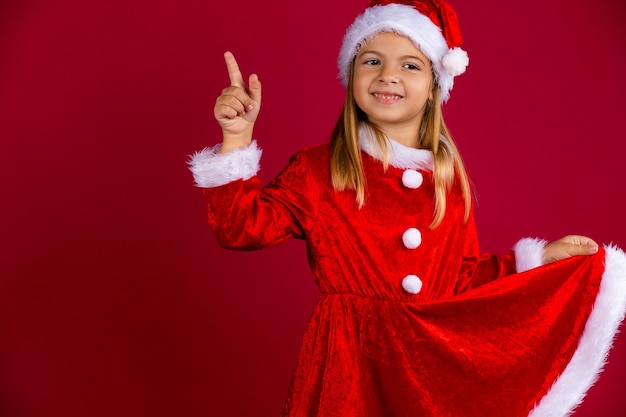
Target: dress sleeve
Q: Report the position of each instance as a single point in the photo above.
(244, 216)
(478, 269)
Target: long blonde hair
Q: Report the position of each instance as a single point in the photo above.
(347, 168)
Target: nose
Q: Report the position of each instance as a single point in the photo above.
(388, 75)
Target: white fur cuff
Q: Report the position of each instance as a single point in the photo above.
(210, 168)
(529, 253)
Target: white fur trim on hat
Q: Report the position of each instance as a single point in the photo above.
(407, 21)
(210, 168)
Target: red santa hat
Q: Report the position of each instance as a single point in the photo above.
(432, 25)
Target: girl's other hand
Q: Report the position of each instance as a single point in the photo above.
(568, 246)
(237, 108)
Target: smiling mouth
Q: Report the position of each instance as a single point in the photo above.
(386, 98)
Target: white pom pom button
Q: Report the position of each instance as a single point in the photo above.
(412, 238)
(412, 178)
(412, 284)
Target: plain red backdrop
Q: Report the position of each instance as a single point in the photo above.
(115, 299)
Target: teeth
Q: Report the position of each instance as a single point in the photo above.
(386, 96)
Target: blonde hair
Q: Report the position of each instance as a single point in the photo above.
(345, 158)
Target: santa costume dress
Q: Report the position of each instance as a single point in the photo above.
(414, 321)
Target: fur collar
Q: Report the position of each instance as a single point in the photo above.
(400, 156)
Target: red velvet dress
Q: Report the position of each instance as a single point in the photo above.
(471, 335)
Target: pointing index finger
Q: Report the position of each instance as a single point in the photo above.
(236, 79)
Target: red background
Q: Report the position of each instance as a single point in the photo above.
(115, 299)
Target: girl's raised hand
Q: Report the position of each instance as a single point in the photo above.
(237, 108)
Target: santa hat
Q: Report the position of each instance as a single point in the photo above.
(432, 25)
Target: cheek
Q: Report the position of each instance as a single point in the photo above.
(424, 89)
(360, 90)
(357, 83)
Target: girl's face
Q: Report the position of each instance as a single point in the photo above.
(392, 82)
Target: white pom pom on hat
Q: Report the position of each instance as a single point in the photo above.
(432, 26)
(455, 61)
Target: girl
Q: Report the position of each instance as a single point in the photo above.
(412, 320)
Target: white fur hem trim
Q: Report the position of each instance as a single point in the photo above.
(210, 168)
(581, 373)
(529, 253)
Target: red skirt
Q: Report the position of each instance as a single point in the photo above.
(528, 344)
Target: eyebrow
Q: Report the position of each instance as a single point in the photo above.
(402, 57)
